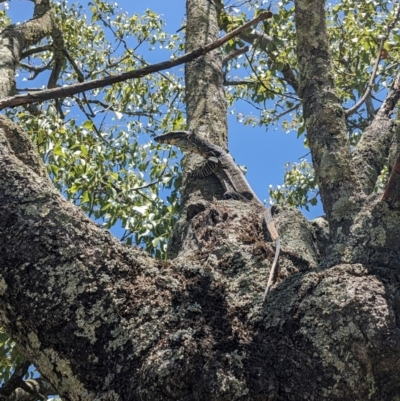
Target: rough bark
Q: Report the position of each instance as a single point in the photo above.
(373, 148)
(323, 113)
(392, 191)
(103, 321)
(205, 107)
(17, 38)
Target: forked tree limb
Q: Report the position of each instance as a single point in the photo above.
(16, 38)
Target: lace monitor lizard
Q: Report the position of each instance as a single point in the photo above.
(220, 162)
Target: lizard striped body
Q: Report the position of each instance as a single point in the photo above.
(220, 162)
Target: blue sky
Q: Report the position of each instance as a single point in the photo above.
(264, 152)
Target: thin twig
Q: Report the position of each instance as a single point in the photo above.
(107, 107)
(265, 87)
(234, 54)
(353, 109)
(139, 73)
(132, 53)
(34, 70)
(287, 111)
(35, 50)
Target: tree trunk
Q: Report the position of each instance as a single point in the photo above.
(104, 321)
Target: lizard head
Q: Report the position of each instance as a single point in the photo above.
(183, 139)
(189, 141)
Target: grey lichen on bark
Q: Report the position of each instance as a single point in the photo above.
(20, 143)
(205, 101)
(323, 113)
(206, 108)
(84, 299)
(394, 149)
(372, 151)
(379, 142)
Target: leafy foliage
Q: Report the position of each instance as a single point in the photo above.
(356, 30)
(300, 188)
(263, 84)
(97, 149)
(4, 19)
(9, 357)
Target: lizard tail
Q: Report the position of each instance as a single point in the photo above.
(273, 268)
(275, 237)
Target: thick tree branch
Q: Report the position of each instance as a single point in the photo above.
(391, 99)
(29, 204)
(16, 38)
(16, 389)
(141, 72)
(104, 321)
(323, 113)
(372, 150)
(394, 149)
(58, 58)
(206, 107)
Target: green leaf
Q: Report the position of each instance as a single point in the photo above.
(88, 125)
(85, 197)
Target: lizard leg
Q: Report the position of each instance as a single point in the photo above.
(235, 195)
(206, 169)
